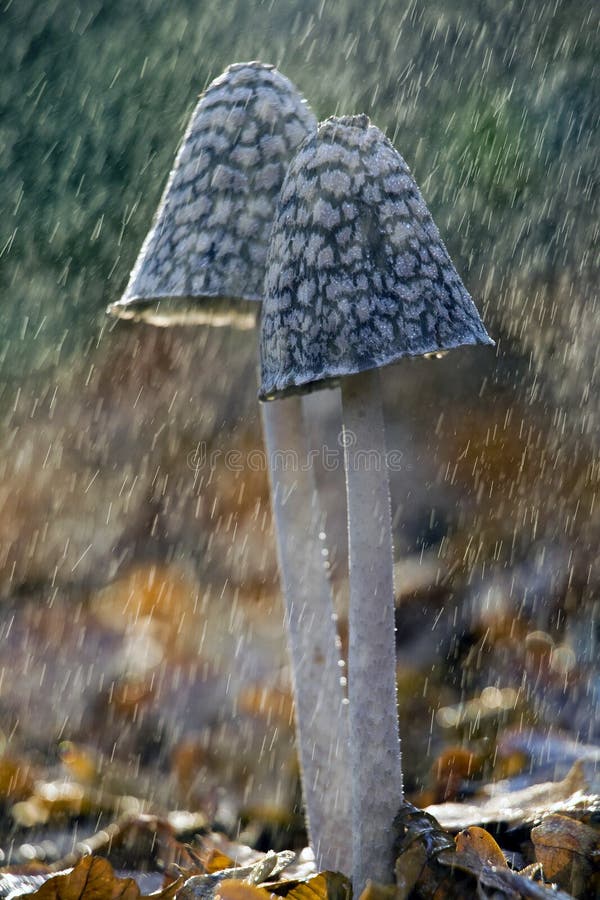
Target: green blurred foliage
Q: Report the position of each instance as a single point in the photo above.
(491, 104)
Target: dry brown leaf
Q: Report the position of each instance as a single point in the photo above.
(568, 851)
(231, 889)
(479, 841)
(469, 877)
(215, 846)
(429, 866)
(325, 886)
(92, 878)
(216, 861)
(197, 859)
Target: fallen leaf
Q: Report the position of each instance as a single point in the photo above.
(207, 887)
(414, 825)
(231, 889)
(436, 870)
(420, 841)
(567, 850)
(217, 861)
(520, 807)
(491, 881)
(479, 841)
(215, 848)
(93, 878)
(324, 886)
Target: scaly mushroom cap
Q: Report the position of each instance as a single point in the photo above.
(357, 274)
(204, 257)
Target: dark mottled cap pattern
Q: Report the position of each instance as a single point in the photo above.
(205, 253)
(357, 274)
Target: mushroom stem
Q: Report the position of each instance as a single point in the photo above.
(321, 709)
(374, 742)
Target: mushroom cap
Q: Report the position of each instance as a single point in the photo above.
(357, 274)
(203, 260)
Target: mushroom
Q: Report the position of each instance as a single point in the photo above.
(357, 278)
(203, 262)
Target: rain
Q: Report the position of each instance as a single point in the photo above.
(143, 663)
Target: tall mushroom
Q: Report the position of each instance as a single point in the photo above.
(357, 278)
(203, 262)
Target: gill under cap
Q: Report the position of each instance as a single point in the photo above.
(357, 274)
(203, 259)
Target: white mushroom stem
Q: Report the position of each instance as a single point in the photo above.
(374, 740)
(321, 708)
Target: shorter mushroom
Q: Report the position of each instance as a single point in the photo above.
(203, 262)
(358, 278)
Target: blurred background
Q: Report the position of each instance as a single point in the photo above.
(140, 615)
